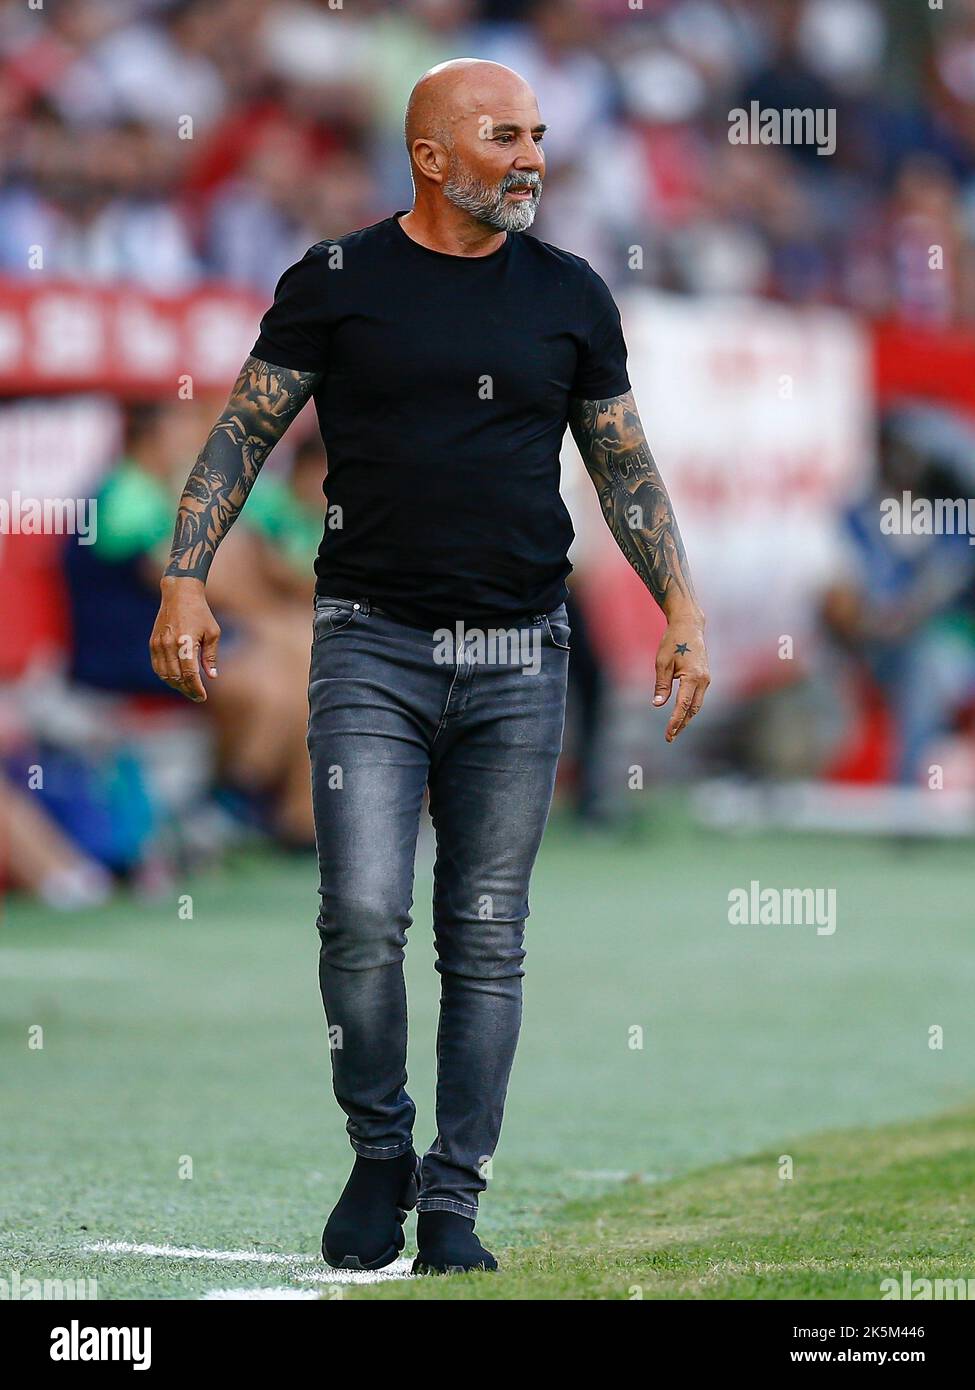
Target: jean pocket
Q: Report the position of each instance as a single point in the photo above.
(333, 614)
(557, 625)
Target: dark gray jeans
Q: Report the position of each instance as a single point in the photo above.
(477, 717)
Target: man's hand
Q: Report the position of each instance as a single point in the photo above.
(184, 629)
(682, 656)
(637, 510)
(264, 401)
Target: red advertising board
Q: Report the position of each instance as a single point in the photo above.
(60, 336)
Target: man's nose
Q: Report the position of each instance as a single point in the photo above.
(530, 160)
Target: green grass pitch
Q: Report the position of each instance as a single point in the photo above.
(197, 1046)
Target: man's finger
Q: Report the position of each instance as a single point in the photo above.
(168, 667)
(188, 650)
(698, 698)
(210, 644)
(166, 663)
(665, 680)
(189, 673)
(155, 656)
(681, 706)
(689, 701)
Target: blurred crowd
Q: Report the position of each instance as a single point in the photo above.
(107, 775)
(163, 141)
(171, 142)
(124, 778)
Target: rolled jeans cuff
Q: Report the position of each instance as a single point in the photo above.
(382, 1150)
(447, 1204)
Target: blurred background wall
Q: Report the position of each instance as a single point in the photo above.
(802, 336)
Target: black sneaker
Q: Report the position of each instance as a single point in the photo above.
(446, 1244)
(365, 1229)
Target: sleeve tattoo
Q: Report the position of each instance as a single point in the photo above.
(264, 401)
(632, 495)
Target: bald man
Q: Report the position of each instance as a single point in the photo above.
(446, 352)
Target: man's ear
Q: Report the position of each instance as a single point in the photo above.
(430, 159)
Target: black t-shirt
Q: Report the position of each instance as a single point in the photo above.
(442, 408)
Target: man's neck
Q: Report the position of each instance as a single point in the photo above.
(452, 232)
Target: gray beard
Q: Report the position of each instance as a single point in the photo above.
(488, 205)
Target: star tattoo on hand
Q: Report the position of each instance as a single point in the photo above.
(682, 647)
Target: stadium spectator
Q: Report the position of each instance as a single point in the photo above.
(256, 704)
(295, 134)
(293, 138)
(38, 858)
(904, 610)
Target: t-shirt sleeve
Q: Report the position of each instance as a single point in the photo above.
(601, 369)
(294, 331)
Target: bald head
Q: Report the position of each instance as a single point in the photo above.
(474, 137)
(455, 91)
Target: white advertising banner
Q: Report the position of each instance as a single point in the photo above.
(53, 452)
(760, 418)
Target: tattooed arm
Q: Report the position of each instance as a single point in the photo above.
(264, 401)
(637, 510)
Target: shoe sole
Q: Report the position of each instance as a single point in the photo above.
(420, 1268)
(388, 1256)
(353, 1261)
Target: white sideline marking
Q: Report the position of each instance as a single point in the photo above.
(260, 1294)
(192, 1252)
(399, 1269)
